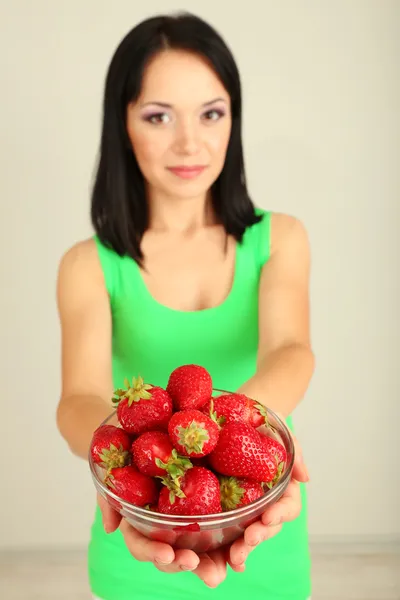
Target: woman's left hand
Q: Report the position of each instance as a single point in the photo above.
(286, 509)
(212, 566)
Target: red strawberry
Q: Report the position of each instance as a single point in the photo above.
(278, 451)
(275, 448)
(190, 386)
(154, 455)
(110, 446)
(131, 485)
(241, 452)
(195, 493)
(142, 407)
(236, 407)
(237, 492)
(193, 433)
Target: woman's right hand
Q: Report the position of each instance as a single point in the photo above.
(210, 567)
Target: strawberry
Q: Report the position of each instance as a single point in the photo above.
(241, 452)
(193, 433)
(195, 493)
(190, 386)
(154, 455)
(142, 407)
(236, 407)
(278, 451)
(110, 447)
(275, 448)
(237, 492)
(131, 485)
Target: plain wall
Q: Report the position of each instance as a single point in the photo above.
(321, 136)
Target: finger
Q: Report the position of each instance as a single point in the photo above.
(237, 568)
(211, 569)
(185, 560)
(238, 554)
(144, 549)
(111, 518)
(219, 558)
(287, 508)
(241, 548)
(257, 533)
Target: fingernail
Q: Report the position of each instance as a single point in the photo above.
(254, 542)
(187, 568)
(162, 562)
(275, 522)
(239, 561)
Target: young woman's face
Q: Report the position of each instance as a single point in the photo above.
(180, 125)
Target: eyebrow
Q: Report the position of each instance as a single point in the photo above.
(165, 105)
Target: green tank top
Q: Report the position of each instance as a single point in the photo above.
(151, 339)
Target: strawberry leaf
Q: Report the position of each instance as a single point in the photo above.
(231, 492)
(263, 412)
(281, 466)
(160, 464)
(193, 437)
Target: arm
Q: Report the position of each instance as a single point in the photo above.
(86, 328)
(285, 362)
(85, 321)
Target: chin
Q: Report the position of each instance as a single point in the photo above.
(187, 189)
(194, 195)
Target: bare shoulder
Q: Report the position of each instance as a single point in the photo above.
(81, 259)
(79, 270)
(289, 233)
(82, 253)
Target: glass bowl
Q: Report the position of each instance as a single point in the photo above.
(200, 533)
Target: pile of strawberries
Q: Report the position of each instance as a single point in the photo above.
(181, 451)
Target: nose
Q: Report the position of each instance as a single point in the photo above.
(187, 138)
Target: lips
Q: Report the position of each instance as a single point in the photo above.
(187, 172)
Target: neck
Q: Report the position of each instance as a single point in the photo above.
(180, 215)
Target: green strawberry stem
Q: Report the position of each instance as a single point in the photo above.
(108, 480)
(270, 484)
(213, 415)
(135, 392)
(176, 466)
(193, 437)
(114, 457)
(174, 487)
(263, 412)
(231, 492)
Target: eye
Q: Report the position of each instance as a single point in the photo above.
(157, 118)
(213, 114)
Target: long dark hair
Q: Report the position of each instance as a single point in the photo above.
(119, 210)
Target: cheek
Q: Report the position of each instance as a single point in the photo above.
(149, 148)
(146, 149)
(218, 143)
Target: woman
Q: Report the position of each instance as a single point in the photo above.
(184, 269)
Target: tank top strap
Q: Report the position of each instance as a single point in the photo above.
(110, 263)
(257, 238)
